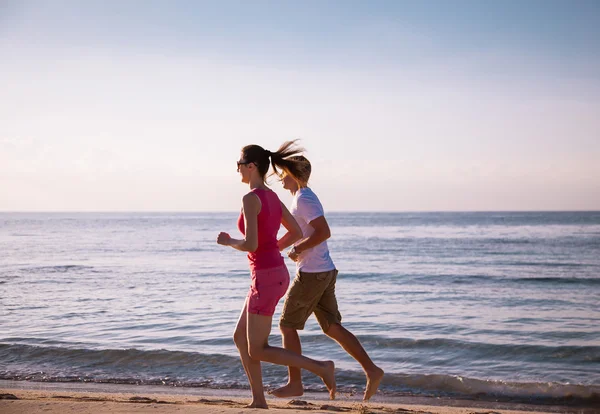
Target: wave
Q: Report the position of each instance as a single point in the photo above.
(559, 280)
(583, 281)
(542, 264)
(509, 241)
(587, 354)
(191, 369)
(29, 347)
(533, 392)
(58, 269)
(180, 250)
(469, 279)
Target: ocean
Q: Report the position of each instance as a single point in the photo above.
(500, 306)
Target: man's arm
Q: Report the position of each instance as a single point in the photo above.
(321, 233)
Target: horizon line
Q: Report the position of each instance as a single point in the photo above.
(329, 212)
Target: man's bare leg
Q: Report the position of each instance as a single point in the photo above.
(352, 346)
(294, 387)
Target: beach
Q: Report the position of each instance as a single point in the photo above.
(25, 398)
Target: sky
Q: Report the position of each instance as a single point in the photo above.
(401, 105)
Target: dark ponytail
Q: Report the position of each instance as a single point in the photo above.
(286, 158)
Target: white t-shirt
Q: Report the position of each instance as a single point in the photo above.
(305, 208)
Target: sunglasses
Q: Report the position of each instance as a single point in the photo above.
(243, 163)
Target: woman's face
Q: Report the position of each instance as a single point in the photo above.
(243, 168)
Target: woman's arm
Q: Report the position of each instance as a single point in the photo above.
(251, 208)
(294, 232)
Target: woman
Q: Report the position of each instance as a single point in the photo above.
(313, 290)
(260, 219)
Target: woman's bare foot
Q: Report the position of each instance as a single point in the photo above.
(328, 378)
(255, 404)
(373, 380)
(291, 389)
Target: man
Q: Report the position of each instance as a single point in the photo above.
(313, 289)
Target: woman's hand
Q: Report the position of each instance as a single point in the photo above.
(224, 239)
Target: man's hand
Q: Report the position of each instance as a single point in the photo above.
(293, 254)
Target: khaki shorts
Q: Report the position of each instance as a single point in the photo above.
(311, 292)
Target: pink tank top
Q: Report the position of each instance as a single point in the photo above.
(267, 254)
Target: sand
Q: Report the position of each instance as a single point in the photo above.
(60, 400)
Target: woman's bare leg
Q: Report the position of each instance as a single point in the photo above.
(251, 366)
(259, 327)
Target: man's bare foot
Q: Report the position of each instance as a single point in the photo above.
(255, 404)
(373, 380)
(328, 378)
(291, 389)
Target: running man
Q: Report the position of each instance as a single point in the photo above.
(313, 289)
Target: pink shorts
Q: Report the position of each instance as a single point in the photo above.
(267, 288)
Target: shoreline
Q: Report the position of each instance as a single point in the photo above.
(18, 397)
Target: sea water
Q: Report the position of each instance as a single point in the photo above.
(501, 306)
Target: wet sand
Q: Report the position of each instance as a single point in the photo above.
(18, 397)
